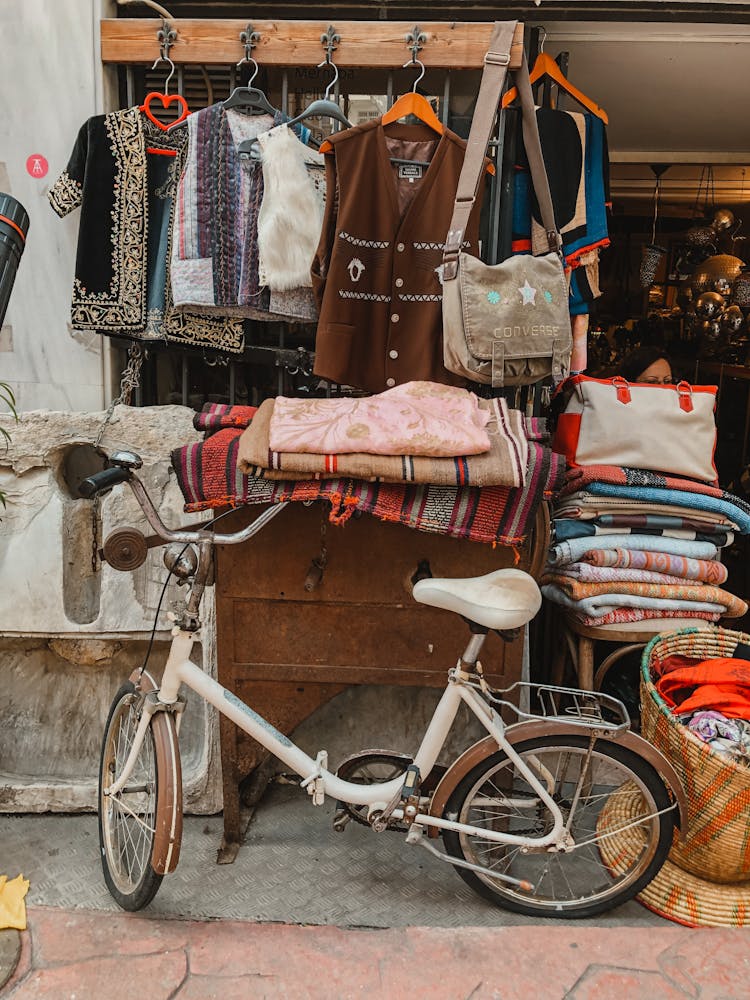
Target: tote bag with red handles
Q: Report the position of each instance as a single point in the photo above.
(666, 428)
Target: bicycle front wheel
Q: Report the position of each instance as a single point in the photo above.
(613, 804)
(140, 828)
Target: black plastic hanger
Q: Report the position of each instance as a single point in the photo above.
(325, 108)
(250, 97)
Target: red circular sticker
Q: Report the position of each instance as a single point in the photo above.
(37, 165)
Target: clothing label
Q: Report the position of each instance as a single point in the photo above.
(410, 172)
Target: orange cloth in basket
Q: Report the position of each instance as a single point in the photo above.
(721, 684)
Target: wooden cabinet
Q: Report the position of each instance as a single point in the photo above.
(287, 650)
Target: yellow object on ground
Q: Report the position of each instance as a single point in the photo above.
(12, 906)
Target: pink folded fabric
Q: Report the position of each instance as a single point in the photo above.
(417, 418)
(622, 615)
(503, 465)
(609, 574)
(704, 570)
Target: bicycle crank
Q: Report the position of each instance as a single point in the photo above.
(369, 767)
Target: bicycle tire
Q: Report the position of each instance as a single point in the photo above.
(140, 831)
(542, 868)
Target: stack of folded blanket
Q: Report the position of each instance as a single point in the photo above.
(632, 545)
(489, 496)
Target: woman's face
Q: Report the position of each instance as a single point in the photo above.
(659, 373)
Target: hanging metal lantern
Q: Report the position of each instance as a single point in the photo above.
(732, 319)
(723, 220)
(710, 330)
(709, 305)
(723, 286)
(721, 265)
(701, 236)
(652, 257)
(741, 288)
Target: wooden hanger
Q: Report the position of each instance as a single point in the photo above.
(545, 65)
(412, 103)
(408, 104)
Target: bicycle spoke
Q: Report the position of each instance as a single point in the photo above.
(130, 816)
(584, 782)
(136, 817)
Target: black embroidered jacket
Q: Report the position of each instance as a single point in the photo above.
(108, 176)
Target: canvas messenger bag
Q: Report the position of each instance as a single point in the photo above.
(508, 323)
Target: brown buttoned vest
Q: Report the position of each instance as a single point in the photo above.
(376, 273)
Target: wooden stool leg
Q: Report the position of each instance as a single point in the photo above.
(558, 664)
(585, 663)
(610, 661)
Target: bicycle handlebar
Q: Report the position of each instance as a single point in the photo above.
(103, 480)
(108, 478)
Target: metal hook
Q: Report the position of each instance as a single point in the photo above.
(331, 83)
(544, 38)
(256, 69)
(166, 37)
(330, 40)
(165, 59)
(416, 62)
(415, 39)
(249, 38)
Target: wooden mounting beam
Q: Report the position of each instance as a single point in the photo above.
(449, 45)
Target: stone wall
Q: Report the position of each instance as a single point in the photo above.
(69, 634)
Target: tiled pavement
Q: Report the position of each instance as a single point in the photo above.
(304, 913)
(85, 955)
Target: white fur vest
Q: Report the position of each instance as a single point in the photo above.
(291, 214)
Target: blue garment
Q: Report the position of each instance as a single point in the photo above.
(571, 551)
(567, 528)
(565, 161)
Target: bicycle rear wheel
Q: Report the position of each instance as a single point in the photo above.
(613, 801)
(140, 828)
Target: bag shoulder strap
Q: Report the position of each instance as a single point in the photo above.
(496, 63)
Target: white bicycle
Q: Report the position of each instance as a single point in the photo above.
(565, 813)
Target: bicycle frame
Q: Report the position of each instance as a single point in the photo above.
(180, 670)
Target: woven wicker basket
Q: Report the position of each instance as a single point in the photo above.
(717, 842)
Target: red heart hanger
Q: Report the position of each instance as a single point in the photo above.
(166, 100)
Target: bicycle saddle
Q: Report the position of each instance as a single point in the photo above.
(505, 599)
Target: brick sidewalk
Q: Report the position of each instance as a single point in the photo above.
(89, 955)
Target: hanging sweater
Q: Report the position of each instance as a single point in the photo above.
(376, 273)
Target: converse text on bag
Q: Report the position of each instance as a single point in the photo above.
(526, 331)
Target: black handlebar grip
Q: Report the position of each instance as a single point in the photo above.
(104, 480)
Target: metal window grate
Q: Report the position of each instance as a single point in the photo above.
(269, 366)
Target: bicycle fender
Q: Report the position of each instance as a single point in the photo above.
(168, 819)
(522, 731)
